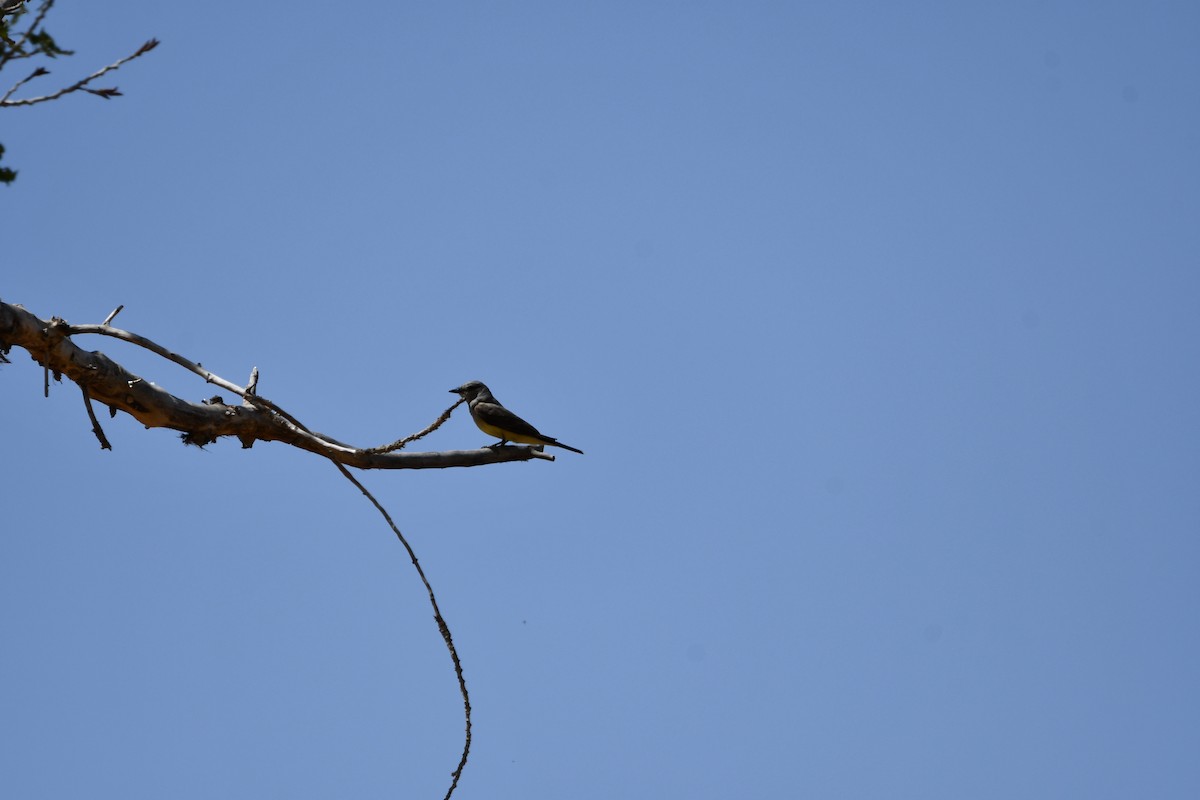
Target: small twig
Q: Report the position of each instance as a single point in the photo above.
(396, 445)
(252, 386)
(441, 623)
(80, 84)
(113, 315)
(96, 429)
(35, 74)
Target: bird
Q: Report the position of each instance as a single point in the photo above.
(10, 6)
(496, 420)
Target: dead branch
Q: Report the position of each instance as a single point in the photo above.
(50, 343)
(80, 84)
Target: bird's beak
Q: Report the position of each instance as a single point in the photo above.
(456, 391)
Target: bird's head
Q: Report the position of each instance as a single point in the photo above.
(470, 390)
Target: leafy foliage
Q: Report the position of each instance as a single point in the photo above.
(44, 44)
(35, 41)
(6, 175)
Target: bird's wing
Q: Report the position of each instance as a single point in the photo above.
(500, 417)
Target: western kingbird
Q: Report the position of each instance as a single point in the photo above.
(496, 420)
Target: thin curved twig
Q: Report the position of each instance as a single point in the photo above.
(437, 423)
(441, 623)
(79, 84)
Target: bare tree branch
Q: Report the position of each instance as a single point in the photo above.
(80, 84)
(49, 343)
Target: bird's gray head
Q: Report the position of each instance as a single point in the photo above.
(472, 390)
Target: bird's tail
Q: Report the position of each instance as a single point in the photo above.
(557, 443)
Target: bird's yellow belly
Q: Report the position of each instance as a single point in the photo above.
(492, 430)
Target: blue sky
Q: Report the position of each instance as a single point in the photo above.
(877, 323)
